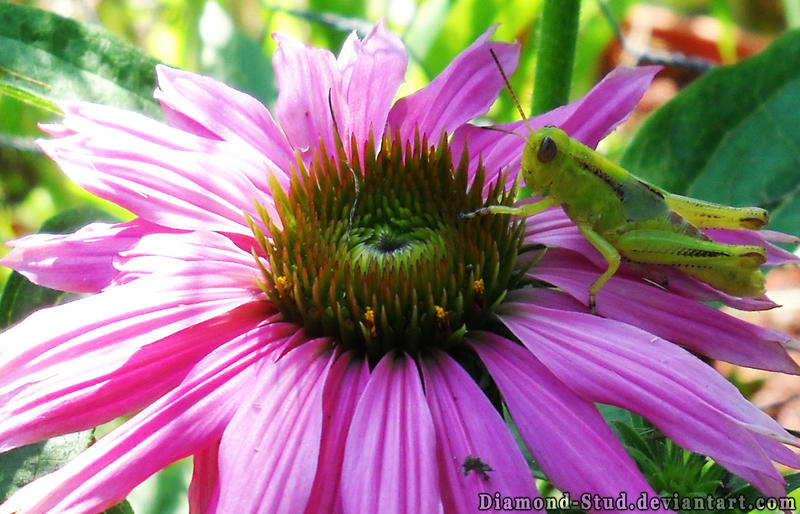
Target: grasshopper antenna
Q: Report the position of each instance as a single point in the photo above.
(510, 91)
(355, 176)
(504, 131)
(484, 210)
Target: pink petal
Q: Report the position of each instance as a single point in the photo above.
(345, 383)
(670, 316)
(220, 110)
(778, 452)
(466, 88)
(306, 77)
(160, 253)
(186, 420)
(588, 120)
(84, 117)
(207, 187)
(552, 227)
(123, 319)
(609, 362)
(389, 461)
(607, 105)
(566, 435)
(468, 425)
(84, 391)
(778, 237)
(371, 71)
(81, 262)
(204, 487)
(100, 122)
(271, 446)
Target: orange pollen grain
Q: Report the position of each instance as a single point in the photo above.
(283, 287)
(441, 317)
(369, 317)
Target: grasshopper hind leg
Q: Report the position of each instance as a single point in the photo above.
(733, 269)
(734, 280)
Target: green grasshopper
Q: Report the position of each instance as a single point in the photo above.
(624, 216)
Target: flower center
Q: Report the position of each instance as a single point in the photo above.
(389, 264)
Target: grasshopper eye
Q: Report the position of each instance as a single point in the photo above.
(548, 150)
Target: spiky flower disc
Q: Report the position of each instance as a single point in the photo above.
(405, 271)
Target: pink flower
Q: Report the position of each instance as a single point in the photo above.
(313, 364)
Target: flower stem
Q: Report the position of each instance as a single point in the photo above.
(791, 13)
(556, 54)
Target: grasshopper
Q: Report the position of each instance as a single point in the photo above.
(621, 215)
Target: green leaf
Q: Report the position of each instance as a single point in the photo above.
(27, 463)
(792, 482)
(20, 296)
(165, 491)
(462, 22)
(334, 37)
(24, 96)
(45, 58)
(120, 508)
(613, 414)
(596, 33)
(731, 137)
(232, 57)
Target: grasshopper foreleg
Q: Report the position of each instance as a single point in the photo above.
(529, 209)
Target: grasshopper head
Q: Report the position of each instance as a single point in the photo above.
(543, 157)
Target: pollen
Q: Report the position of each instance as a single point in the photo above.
(369, 319)
(283, 287)
(441, 318)
(479, 290)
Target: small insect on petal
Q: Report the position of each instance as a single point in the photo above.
(475, 464)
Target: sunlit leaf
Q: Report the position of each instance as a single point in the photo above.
(45, 58)
(232, 57)
(27, 463)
